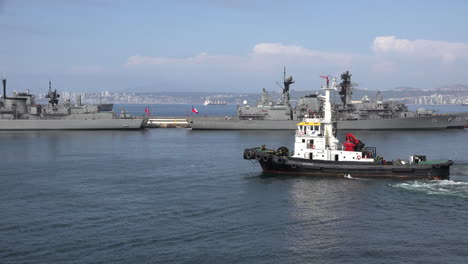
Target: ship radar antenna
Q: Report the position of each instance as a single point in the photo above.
(346, 88)
(53, 96)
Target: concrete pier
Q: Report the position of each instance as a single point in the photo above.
(167, 122)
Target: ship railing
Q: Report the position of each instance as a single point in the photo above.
(369, 152)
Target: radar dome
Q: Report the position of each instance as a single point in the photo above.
(289, 78)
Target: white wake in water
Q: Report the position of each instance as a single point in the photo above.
(348, 176)
(440, 188)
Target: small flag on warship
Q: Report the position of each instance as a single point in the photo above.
(194, 110)
(147, 111)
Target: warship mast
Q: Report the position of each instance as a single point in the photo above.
(346, 89)
(52, 95)
(287, 81)
(4, 87)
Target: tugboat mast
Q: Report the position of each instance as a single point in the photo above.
(327, 119)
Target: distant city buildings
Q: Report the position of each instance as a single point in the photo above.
(139, 98)
(455, 97)
(433, 99)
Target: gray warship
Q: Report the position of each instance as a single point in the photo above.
(366, 114)
(386, 115)
(20, 112)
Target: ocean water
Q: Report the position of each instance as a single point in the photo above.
(182, 196)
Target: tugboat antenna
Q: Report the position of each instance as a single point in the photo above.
(326, 77)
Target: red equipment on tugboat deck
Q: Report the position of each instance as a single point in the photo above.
(352, 143)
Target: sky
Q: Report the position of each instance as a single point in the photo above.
(230, 46)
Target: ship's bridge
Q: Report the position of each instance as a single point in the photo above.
(309, 128)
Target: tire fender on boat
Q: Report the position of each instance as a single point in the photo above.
(249, 154)
(279, 160)
(265, 158)
(293, 166)
(258, 156)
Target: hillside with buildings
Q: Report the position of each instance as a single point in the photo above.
(455, 94)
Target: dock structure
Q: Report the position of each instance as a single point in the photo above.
(167, 122)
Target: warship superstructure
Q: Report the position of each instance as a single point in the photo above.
(318, 152)
(20, 112)
(380, 114)
(266, 114)
(366, 114)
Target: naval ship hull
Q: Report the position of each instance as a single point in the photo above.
(275, 164)
(72, 124)
(442, 121)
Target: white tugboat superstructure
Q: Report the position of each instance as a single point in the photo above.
(315, 137)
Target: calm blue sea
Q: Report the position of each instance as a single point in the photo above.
(182, 196)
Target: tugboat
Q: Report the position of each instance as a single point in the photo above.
(318, 152)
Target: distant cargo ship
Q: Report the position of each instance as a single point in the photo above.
(214, 102)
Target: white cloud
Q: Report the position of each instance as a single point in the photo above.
(448, 52)
(280, 49)
(263, 55)
(392, 62)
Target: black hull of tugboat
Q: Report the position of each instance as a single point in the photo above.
(272, 163)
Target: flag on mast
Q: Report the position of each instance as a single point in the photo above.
(147, 111)
(194, 110)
